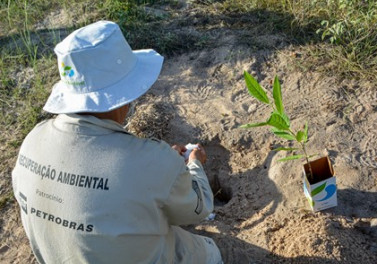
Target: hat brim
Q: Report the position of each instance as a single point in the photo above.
(128, 89)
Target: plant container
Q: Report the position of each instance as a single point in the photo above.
(320, 189)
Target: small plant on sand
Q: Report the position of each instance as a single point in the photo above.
(279, 121)
(319, 180)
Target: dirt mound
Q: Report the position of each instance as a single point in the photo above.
(261, 212)
(262, 215)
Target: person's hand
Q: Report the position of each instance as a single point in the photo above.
(179, 148)
(198, 154)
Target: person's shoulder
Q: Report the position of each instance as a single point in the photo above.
(155, 143)
(35, 135)
(162, 148)
(40, 126)
(150, 147)
(44, 123)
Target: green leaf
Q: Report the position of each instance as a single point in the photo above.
(294, 157)
(300, 136)
(277, 96)
(306, 132)
(254, 125)
(318, 189)
(67, 68)
(255, 89)
(286, 118)
(285, 149)
(284, 135)
(276, 120)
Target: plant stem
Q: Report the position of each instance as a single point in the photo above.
(311, 176)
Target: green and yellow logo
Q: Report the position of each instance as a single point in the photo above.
(67, 70)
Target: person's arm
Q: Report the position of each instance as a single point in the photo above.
(190, 199)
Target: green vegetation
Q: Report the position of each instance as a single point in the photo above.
(29, 30)
(279, 120)
(4, 199)
(27, 63)
(350, 26)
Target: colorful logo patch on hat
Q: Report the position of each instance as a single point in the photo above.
(67, 70)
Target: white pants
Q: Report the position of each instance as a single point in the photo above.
(195, 248)
(213, 252)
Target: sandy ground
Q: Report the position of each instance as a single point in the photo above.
(262, 215)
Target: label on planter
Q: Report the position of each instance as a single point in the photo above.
(321, 195)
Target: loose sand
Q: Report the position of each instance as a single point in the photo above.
(262, 215)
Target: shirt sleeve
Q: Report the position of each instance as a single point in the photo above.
(190, 199)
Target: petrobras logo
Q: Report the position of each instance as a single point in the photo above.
(68, 73)
(66, 70)
(23, 201)
(323, 192)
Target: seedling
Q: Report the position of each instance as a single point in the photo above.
(279, 121)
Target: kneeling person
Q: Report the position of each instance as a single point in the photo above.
(90, 192)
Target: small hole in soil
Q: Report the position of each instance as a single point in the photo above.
(222, 194)
(218, 172)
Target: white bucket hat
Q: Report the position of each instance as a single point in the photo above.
(99, 71)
